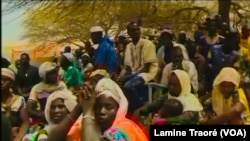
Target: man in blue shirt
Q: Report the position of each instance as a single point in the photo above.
(104, 55)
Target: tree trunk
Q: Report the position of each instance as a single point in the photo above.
(224, 9)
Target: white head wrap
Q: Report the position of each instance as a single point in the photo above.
(8, 73)
(96, 29)
(46, 67)
(69, 101)
(106, 86)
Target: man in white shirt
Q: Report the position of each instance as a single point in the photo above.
(179, 63)
(140, 65)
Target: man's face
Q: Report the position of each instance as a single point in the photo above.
(177, 56)
(96, 37)
(166, 37)
(212, 28)
(182, 37)
(134, 31)
(24, 60)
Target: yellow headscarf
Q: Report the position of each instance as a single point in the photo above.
(190, 101)
(99, 71)
(219, 102)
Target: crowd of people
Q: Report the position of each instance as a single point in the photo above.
(99, 92)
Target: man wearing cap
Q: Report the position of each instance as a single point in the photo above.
(140, 64)
(13, 105)
(104, 55)
(167, 36)
(166, 41)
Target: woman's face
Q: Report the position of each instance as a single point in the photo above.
(58, 111)
(105, 111)
(227, 89)
(6, 83)
(174, 86)
(52, 76)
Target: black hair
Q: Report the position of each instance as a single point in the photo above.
(132, 23)
(173, 106)
(67, 49)
(5, 63)
(25, 54)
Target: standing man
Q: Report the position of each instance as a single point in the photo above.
(104, 55)
(27, 76)
(140, 64)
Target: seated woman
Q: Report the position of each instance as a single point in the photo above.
(229, 102)
(86, 64)
(58, 105)
(178, 88)
(13, 106)
(104, 116)
(48, 72)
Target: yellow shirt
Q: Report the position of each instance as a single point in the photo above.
(138, 55)
(245, 44)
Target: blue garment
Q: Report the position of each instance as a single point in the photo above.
(105, 54)
(218, 57)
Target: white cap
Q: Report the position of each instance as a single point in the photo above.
(96, 29)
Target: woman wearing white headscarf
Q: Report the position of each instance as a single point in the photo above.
(59, 104)
(179, 87)
(229, 102)
(13, 105)
(111, 124)
(48, 72)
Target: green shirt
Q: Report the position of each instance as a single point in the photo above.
(72, 77)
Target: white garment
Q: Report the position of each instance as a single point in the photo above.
(188, 66)
(189, 101)
(161, 54)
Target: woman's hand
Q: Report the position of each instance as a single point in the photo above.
(87, 97)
